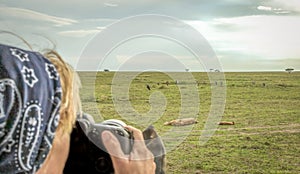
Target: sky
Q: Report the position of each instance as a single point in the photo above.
(245, 35)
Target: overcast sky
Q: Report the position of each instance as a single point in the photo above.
(246, 35)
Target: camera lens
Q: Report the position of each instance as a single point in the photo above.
(103, 165)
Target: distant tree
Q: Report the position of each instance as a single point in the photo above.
(289, 70)
(106, 70)
(187, 70)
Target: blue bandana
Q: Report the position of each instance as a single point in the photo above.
(30, 97)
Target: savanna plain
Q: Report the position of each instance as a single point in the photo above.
(265, 107)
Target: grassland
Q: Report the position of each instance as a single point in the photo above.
(265, 107)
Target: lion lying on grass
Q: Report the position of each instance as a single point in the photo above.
(181, 122)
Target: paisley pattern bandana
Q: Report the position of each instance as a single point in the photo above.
(30, 98)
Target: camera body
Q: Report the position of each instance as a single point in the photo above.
(87, 152)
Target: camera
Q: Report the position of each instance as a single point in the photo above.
(88, 154)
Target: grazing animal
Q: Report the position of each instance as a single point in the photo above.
(226, 123)
(156, 146)
(181, 122)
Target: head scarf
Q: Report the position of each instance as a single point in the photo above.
(30, 97)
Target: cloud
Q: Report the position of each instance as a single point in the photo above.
(264, 36)
(95, 20)
(271, 9)
(78, 33)
(290, 5)
(110, 4)
(21, 13)
(282, 12)
(281, 6)
(264, 8)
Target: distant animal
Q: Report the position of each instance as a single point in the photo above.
(156, 146)
(148, 87)
(181, 122)
(226, 123)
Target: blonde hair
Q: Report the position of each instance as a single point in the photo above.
(70, 83)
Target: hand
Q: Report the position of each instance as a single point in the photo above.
(139, 161)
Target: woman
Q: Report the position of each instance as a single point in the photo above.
(39, 100)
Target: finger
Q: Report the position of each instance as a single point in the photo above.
(137, 134)
(153, 166)
(140, 150)
(112, 145)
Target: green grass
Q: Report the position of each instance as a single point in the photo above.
(265, 107)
